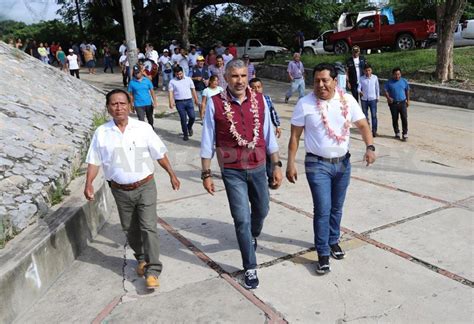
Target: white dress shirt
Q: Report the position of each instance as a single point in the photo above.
(126, 157)
(369, 87)
(208, 139)
(181, 89)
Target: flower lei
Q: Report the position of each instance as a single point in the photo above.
(323, 110)
(230, 118)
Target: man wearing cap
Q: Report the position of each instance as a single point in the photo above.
(355, 69)
(200, 76)
(73, 63)
(142, 95)
(181, 94)
(166, 68)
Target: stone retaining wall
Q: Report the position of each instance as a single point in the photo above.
(46, 119)
(419, 92)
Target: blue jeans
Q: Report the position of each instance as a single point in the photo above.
(372, 104)
(186, 109)
(296, 84)
(166, 79)
(244, 187)
(328, 183)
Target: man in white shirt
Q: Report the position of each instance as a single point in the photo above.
(192, 57)
(151, 53)
(123, 47)
(369, 96)
(326, 115)
(166, 68)
(73, 63)
(125, 66)
(227, 56)
(176, 56)
(181, 94)
(126, 148)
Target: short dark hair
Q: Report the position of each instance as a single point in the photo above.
(177, 69)
(325, 66)
(115, 91)
(396, 69)
(213, 78)
(255, 80)
(219, 57)
(367, 66)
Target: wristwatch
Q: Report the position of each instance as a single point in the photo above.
(278, 164)
(371, 147)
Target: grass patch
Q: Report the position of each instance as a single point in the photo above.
(98, 119)
(418, 65)
(160, 115)
(59, 193)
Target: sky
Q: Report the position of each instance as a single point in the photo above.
(28, 11)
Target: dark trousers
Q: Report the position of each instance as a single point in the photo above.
(354, 91)
(155, 80)
(186, 109)
(74, 72)
(145, 110)
(372, 104)
(399, 108)
(108, 64)
(126, 76)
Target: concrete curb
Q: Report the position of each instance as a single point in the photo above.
(38, 256)
(420, 92)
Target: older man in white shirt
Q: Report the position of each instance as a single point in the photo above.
(126, 148)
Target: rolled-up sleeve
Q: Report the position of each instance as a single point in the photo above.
(268, 132)
(208, 132)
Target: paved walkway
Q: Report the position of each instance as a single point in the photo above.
(408, 231)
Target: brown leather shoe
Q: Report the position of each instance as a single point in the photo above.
(152, 282)
(141, 268)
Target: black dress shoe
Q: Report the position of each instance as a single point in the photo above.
(190, 132)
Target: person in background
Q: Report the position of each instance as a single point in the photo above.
(219, 71)
(210, 91)
(200, 76)
(108, 62)
(355, 69)
(220, 48)
(227, 56)
(19, 44)
(296, 75)
(73, 62)
(397, 92)
(142, 95)
(192, 58)
(125, 67)
(61, 58)
(181, 94)
(232, 49)
(341, 76)
(257, 85)
(211, 57)
(369, 96)
(43, 53)
(53, 49)
(250, 66)
(89, 59)
(166, 68)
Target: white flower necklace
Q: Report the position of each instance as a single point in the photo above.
(230, 118)
(323, 110)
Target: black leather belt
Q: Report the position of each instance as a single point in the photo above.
(330, 160)
(179, 100)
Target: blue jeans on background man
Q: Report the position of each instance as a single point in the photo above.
(372, 104)
(328, 183)
(296, 84)
(186, 110)
(166, 79)
(242, 187)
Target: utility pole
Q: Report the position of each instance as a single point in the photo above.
(129, 33)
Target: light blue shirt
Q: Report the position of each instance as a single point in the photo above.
(209, 131)
(369, 87)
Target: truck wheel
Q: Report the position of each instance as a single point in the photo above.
(308, 51)
(269, 55)
(405, 42)
(341, 47)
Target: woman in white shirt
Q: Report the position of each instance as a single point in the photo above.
(207, 93)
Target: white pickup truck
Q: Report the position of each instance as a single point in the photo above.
(316, 46)
(257, 51)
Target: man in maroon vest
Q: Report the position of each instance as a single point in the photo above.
(238, 123)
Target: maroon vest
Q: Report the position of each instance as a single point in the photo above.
(229, 153)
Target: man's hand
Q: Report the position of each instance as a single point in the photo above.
(277, 178)
(389, 100)
(172, 105)
(408, 103)
(369, 157)
(291, 173)
(89, 192)
(208, 184)
(175, 184)
(196, 102)
(278, 132)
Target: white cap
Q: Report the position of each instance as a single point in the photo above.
(71, 50)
